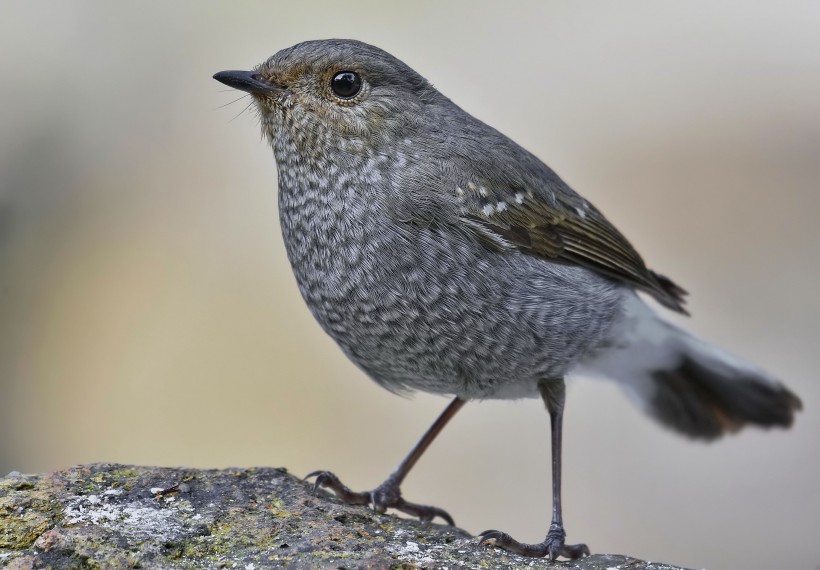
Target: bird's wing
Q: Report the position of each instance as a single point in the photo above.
(555, 223)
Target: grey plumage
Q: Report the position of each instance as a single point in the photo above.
(443, 257)
(439, 254)
(376, 235)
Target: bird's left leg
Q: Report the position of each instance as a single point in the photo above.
(553, 392)
(388, 494)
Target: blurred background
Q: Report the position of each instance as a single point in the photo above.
(148, 313)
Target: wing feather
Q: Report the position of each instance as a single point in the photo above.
(567, 229)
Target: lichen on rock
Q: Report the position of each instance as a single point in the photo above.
(116, 516)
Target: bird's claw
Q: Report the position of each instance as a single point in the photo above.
(425, 513)
(385, 496)
(552, 547)
(326, 479)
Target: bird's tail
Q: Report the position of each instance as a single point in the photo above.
(686, 383)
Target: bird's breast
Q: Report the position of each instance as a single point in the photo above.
(423, 307)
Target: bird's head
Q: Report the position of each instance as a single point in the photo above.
(340, 93)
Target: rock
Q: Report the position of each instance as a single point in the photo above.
(120, 516)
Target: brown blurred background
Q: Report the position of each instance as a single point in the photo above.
(148, 313)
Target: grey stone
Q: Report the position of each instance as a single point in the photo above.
(124, 516)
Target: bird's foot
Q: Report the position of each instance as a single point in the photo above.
(385, 496)
(552, 547)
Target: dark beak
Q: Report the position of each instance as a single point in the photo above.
(248, 81)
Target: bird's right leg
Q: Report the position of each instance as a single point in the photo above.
(553, 392)
(388, 494)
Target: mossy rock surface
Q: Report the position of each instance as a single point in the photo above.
(120, 516)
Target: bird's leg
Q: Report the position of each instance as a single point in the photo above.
(388, 494)
(553, 393)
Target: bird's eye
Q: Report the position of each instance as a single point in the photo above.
(346, 84)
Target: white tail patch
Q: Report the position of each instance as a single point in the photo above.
(683, 381)
(640, 342)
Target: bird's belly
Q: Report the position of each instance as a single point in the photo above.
(446, 316)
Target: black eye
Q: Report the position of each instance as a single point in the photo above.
(346, 84)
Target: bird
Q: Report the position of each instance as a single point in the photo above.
(443, 257)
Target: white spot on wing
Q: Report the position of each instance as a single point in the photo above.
(501, 206)
(488, 209)
(519, 198)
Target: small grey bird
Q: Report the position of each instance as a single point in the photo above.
(443, 257)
